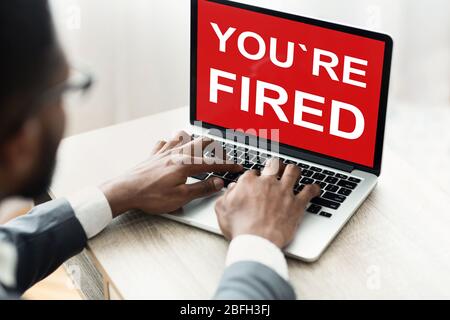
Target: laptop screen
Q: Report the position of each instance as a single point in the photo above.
(319, 86)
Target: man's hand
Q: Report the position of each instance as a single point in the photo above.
(159, 184)
(265, 205)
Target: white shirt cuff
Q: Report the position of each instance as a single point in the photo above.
(92, 210)
(8, 264)
(257, 249)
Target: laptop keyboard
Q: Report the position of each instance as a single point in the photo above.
(335, 187)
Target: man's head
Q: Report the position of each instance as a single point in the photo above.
(31, 121)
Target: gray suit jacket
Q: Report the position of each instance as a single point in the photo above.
(50, 234)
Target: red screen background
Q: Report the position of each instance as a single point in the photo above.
(226, 113)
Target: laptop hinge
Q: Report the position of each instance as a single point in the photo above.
(255, 142)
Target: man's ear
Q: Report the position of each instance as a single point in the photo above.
(21, 150)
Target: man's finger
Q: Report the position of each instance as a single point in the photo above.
(252, 172)
(290, 176)
(201, 146)
(231, 186)
(274, 167)
(197, 147)
(158, 146)
(309, 192)
(203, 188)
(219, 204)
(180, 138)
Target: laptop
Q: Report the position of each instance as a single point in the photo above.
(311, 93)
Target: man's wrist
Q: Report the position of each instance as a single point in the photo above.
(271, 235)
(118, 192)
(249, 247)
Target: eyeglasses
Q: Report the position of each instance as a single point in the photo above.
(77, 82)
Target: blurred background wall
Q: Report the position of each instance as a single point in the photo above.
(139, 50)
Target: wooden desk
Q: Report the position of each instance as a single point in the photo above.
(396, 246)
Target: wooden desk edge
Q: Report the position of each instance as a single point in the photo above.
(108, 284)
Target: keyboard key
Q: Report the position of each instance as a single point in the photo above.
(325, 214)
(307, 173)
(208, 153)
(326, 203)
(327, 172)
(290, 162)
(233, 176)
(226, 182)
(341, 176)
(303, 166)
(319, 176)
(347, 184)
(247, 165)
(356, 180)
(332, 188)
(242, 155)
(219, 174)
(258, 155)
(253, 152)
(321, 184)
(298, 188)
(332, 180)
(201, 176)
(229, 149)
(315, 169)
(258, 167)
(231, 158)
(231, 153)
(345, 192)
(314, 209)
(307, 181)
(334, 197)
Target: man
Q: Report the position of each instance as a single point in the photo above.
(259, 214)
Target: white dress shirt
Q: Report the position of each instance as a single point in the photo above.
(8, 262)
(94, 213)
